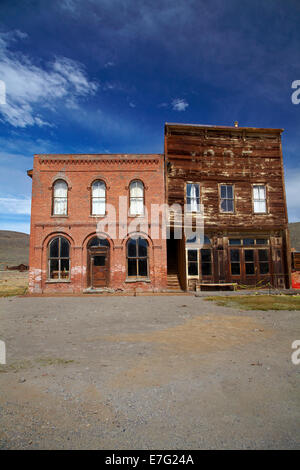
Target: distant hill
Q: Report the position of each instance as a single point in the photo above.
(295, 235)
(14, 248)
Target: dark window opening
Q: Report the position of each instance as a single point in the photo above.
(137, 257)
(59, 259)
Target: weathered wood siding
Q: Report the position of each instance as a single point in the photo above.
(239, 157)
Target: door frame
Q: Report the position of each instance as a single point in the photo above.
(98, 251)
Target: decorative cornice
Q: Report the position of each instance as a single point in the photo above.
(44, 160)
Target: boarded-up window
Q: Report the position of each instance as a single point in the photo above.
(259, 199)
(98, 198)
(60, 198)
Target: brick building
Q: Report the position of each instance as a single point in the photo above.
(71, 194)
(229, 177)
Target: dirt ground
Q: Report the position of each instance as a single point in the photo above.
(165, 372)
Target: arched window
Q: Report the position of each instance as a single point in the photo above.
(59, 259)
(98, 197)
(98, 242)
(137, 257)
(60, 198)
(136, 193)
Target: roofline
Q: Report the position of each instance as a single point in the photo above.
(98, 154)
(229, 128)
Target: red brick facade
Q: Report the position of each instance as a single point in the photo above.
(79, 226)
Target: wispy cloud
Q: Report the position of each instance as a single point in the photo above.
(179, 104)
(31, 89)
(13, 205)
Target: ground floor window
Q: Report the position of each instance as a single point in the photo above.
(263, 258)
(199, 260)
(137, 258)
(249, 262)
(59, 259)
(206, 262)
(235, 262)
(193, 262)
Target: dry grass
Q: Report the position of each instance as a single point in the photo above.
(13, 283)
(17, 366)
(259, 302)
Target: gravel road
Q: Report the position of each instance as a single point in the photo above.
(149, 372)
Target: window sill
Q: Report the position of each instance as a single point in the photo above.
(98, 216)
(60, 216)
(138, 279)
(60, 281)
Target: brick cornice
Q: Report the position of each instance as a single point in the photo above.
(87, 160)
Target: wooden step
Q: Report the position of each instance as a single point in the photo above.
(173, 282)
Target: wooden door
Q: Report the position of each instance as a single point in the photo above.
(99, 268)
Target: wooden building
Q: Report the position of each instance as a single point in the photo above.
(236, 173)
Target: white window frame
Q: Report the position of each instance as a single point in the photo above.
(194, 205)
(60, 200)
(227, 198)
(261, 199)
(136, 199)
(98, 198)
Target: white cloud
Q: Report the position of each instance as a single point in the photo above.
(30, 89)
(15, 226)
(179, 104)
(109, 64)
(13, 205)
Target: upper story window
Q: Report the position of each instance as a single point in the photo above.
(98, 197)
(136, 195)
(193, 197)
(259, 199)
(60, 198)
(227, 200)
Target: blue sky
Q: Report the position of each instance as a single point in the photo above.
(105, 75)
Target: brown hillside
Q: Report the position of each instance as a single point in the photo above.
(295, 235)
(14, 248)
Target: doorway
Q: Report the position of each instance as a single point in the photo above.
(98, 262)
